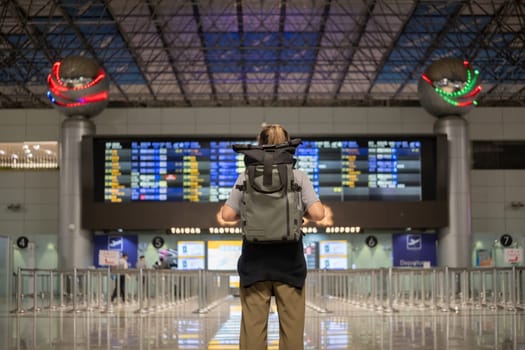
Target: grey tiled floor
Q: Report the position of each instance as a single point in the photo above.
(346, 327)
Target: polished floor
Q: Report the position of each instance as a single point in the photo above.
(179, 327)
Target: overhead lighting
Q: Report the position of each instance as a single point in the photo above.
(28, 155)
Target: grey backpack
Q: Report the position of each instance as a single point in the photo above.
(271, 208)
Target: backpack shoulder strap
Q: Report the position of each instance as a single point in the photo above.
(268, 162)
(283, 178)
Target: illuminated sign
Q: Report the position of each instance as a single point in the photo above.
(223, 255)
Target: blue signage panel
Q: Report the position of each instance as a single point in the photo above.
(116, 243)
(414, 249)
(124, 244)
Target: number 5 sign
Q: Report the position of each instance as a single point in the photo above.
(158, 242)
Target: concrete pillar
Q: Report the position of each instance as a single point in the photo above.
(454, 247)
(75, 245)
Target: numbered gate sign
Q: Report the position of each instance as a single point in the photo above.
(158, 242)
(371, 241)
(22, 242)
(506, 240)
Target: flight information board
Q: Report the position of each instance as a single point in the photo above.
(169, 171)
(205, 170)
(363, 169)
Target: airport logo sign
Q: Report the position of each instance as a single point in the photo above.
(116, 243)
(414, 242)
(414, 250)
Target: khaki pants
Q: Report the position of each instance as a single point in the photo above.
(255, 302)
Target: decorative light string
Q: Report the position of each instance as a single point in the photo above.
(463, 97)
(58, 88)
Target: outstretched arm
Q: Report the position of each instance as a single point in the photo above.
(229, 214)
(315, 212)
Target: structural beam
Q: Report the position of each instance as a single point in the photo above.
(322, 29)
(360, 31)
(136, 57)
(200, 33)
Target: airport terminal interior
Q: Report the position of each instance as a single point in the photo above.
(118, 126)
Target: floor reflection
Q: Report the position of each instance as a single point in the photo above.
(348, 327)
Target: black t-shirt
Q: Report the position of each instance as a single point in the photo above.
(280, 262)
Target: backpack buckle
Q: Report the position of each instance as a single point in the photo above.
(242, 187)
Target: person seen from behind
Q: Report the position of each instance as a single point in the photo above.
(277, 269)
(142, 265)
(122, 265)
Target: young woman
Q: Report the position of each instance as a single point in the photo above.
(277, 269)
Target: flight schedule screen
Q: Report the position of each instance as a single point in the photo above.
(363, 169)
(205, 170)
(193, 171)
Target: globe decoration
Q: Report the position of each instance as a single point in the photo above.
(449, 87)
(78, 86)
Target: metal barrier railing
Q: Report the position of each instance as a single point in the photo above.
(78, 290)
(385, 290)
(446, 289)
(217, 288)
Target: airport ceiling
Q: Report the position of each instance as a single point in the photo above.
(262, 52)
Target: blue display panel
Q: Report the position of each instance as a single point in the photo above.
(123, 244)
(363, 169)
(205, 170)
(162, 182)
(194, 171)
(414, 250)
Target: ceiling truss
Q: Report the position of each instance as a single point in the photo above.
(262, 53)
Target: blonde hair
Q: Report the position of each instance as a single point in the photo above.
(273, 134)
